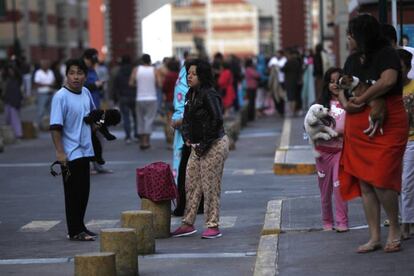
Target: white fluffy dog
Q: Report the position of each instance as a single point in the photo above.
(318, 124)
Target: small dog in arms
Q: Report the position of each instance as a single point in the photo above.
(355, 88)
(319, 124)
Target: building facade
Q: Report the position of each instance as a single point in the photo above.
(225, 26)
(42, 29)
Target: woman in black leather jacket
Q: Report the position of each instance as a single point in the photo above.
(203, 130)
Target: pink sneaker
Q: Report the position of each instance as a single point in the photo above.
(211, 233)
(183, 231)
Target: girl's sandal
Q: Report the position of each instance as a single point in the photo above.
(367, 248)
(393, 246)
(82, 237)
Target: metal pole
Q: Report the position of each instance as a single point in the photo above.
(16, 46)
(383, 16)
(394, 13)
(321, 23)
(401, 21)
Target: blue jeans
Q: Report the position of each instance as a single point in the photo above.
(43, 106)
(127, 109)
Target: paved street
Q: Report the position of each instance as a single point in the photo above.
(32, 227)
(32, 212)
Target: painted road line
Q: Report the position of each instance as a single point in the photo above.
(233, 192)
(264, 172)
(155, 256)
(225, 222)
(273, 215)
(284, 140)
(36, 261)
(39, 226)
(244, 172)
(267, 254)
(359, 227)
(47, 164)
(199, 255)
(102, 223)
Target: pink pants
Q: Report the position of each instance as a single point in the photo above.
(327, 166)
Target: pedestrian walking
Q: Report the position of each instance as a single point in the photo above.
(125, 95)
(308, 88)
(293, 74)
(252, 82)
(180, 151)
(12, 97)
(371, 167)
(225, 85)
(168, 86)
(95, 86)
(44, 81)
(407, 189)
(203, 131)
(277, 81)
(144, 79)
(72, 140)
(327, 164)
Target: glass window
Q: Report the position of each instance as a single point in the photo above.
(182, 26)
(2, 8)
(182, 3)
(179, 51)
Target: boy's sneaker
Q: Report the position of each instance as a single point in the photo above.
(183, 231)
(211, 233)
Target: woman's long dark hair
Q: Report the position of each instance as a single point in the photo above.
(326, 95)
(366, 31)
(204, 72)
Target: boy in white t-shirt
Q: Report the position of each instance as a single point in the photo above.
(73, 144)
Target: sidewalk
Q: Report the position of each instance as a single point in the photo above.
(293, 156)
(295, 243)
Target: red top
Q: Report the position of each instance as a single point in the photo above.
(168, 85)
(225, 83)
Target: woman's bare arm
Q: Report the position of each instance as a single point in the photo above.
(132, 78)
(386, 81)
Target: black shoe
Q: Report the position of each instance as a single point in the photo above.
(90, 233)
(83, 236)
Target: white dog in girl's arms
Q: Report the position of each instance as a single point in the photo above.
(319, 124)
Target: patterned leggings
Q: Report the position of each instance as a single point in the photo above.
(203, 177)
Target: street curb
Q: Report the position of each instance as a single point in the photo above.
(273, 218)
(267, 251)
(280, 165)
(266, 260)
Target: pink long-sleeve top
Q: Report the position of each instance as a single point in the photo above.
(252, 78)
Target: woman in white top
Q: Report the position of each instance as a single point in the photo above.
(143, 77)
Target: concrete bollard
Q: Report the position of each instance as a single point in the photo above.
(162, 216)
(8, 135)
(142, 222)
(95, 264)
(29, 130)
(121, 241)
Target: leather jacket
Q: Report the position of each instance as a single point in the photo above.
(203, 118)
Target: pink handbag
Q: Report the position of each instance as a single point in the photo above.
(156, 182)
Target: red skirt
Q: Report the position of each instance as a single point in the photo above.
(376, 160)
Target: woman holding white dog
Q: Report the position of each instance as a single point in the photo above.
(327, 164)
(371, 167)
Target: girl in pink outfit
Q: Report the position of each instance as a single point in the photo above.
(327, 164)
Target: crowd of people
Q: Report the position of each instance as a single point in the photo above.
(194, 96)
